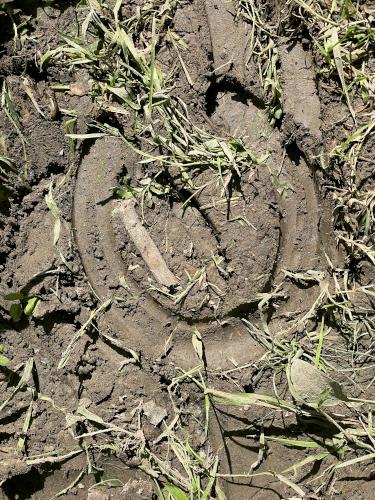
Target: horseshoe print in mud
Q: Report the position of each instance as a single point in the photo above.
(207, 237)
(186, 219)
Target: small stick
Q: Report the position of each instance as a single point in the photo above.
(142, 240)
(187, 74)
(29, 92)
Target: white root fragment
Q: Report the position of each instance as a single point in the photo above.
(150, 253)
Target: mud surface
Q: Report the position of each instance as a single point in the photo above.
(227, 255)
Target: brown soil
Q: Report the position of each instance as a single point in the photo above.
(258, 237)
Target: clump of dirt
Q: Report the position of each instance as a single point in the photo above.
(157, 268)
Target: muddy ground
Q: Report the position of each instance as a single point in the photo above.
(77, 272)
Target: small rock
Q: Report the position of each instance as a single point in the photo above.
(79, 88)
(156, 414)
(137, 489)
(97, 494)
(85, 402)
